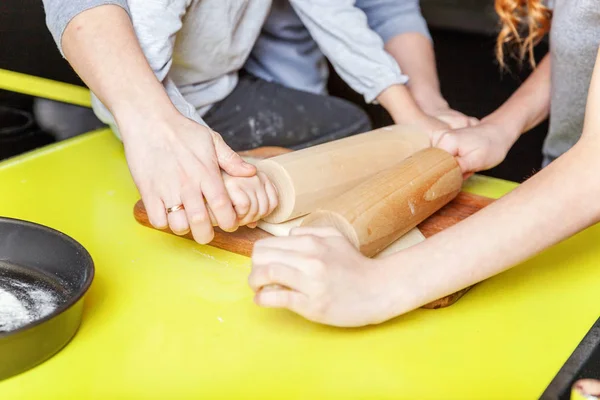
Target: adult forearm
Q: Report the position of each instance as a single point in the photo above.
(591, 124)
(529, 105)
(101, 46)
(414, 54)
(556, 203)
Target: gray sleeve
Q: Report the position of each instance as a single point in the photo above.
(60, 12)
(390, 18)
(353, 48)
(156, 24)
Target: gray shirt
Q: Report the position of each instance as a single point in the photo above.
(287, 54)
(574, 42)
(196, 47)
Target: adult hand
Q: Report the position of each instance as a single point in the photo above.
(176, 161)
(476, 148)
(318, 274)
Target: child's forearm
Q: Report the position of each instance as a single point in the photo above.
(415, 56)
(528, 106)
(556, 203)
(400, 104)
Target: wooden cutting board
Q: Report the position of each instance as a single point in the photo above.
(242, 240)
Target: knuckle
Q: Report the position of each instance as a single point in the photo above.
(312, 241)
(331, 231)
(284, 298)
(316, 244)
(319, 309)
(190, 191)
(242, 205)
(258, 255)
(318, 267)
(216, 135)
(340, 242)
(294, 301)
(297, 231)
(271, 272)
(198, 216)
(320, 290)
(262, 211)
(219, 202)
(208, 167)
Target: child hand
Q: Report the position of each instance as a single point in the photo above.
(253, 198)
(454, 119)
(433, 104)
(477, 148)
(318, 274)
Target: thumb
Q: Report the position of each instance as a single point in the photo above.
(445, 140)
(449, 142)
(471, 163)
(230, 161)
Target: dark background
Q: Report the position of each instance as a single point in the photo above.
(463, 32)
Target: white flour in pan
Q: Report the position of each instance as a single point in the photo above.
(22, 303)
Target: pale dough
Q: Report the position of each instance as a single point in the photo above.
(282, 229)
(251, 160)
(409, 239)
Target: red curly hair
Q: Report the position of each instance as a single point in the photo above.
(524, 24)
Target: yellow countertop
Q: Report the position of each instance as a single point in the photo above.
(167, 318)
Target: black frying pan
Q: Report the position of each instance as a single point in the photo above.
(44, 276)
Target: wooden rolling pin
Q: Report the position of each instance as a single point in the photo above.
(307, 178)
(377, 212)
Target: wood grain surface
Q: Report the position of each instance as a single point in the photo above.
(312, 176)
(242, 240)
(375, 213)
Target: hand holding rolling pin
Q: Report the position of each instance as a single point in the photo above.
(329, 280)
(253, 197)
(175, 163)
(476, 148)
(322, 271)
